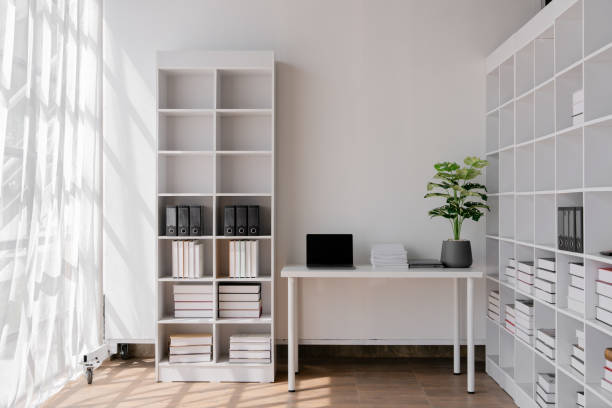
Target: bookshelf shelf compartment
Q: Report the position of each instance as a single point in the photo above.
(566, 85)
(598, 86)
(245, 89)
(493, 131)
(493, 90)
(524, 168)
(185, 133)
(545, 220)
(568, 37)
(545, 165)
(544, 50)
(524, 219)
(186, 89)
(244, 132)
(597, 221)
(247, 174)
(524, 119)
(186, 174)
(597, 159)
(569, 152)
(545, 110)
(265, 253)
(597, 28)
(507, 125)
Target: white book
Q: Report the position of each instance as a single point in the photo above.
(604, 275)
(238, 259)
(191, 339)
(547, 382)
(190, 349)
(512, 262)
(239, 288)
(547, 336)
(232, 259)
(545, 296)
(525, 277)
(493, 316)
(493, 301)
(576, 269)
(181, 264)
(580, 398)
(250, 346)
(180, 314)
(604, 302)
(255, 258)
(543, 404)
(511, 280)
(544, 285)
(544, 349)
(510, 272)
(577, 281)
(546, 396)
(250, 338)
(524, 287)
(576, 293)
(185, 259)
(239, 305)
(511, 319)
(199, 261)
(189, 358)
(191, 258)
(578, 119)
(607, 375)
(247, 261)
(192, 289)
(575, 305)
(510, 309)
(577, 364)
(527, 338)
(606, 385)
(526, 266)
(577, 108)
(193, 305)
(193, 297)
(524, 306)
(239, 313)
(239, 297)
(249, 360)
(175, 260)
(494, 294)
(603, 316)
(580, 337)
(243, 259)
(249, 354)
(603, 288)
(494, 309)
(525, 324)
(546, 275)
(578, 96)
(547, 263)
(510, 328)
(578, 352)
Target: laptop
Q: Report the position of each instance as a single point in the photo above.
(329, 251)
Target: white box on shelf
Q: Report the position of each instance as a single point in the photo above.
(577, 364)
(576, 269)
(547, 263)
(577, 281)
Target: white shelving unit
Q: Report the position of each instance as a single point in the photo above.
(215, 148)
(541, 161)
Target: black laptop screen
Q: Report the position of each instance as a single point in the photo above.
(329, 249)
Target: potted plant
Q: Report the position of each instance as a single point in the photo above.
(464, 200)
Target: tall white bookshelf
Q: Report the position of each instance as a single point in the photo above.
(215, 135)
(540, 161)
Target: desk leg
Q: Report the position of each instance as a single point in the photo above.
(291, 314)
(456, 346)
(296, 343)
(470, 335)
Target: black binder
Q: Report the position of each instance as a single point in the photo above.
(229, 220)
(241, 220)
(571, 233)
(195, 220)
(560, 229)
(183, 221)
(579, 229)
(253, 219)
(170, 221)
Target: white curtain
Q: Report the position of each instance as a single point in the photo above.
(50, 214)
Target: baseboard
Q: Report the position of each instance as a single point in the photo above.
(382, 342)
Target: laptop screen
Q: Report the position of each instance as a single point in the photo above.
(329, 250)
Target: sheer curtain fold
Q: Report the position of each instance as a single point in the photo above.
(50, 214)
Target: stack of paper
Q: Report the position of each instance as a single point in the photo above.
(510, 319)
(510, 272)
(575, 294)
(524, 276)
(545, 390)
(193, 301)
(580, 399)
(190, 348)
(187, 259)
(603, 288)
(243, 259)
(493, 307)
(388, 255)
(524, 320)
(546, 342)
(250, 348)
(577, 358)
(240, 301)
(545, 281)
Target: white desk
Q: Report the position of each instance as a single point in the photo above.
(295, 272)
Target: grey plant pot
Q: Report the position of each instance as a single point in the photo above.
(456, 254)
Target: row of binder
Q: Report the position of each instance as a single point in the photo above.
(184, 220)
(570, 229)
(241, 220)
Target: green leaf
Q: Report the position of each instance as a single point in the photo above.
(436, 195)
(473, 186)
(431, 186)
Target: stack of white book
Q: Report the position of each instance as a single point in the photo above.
(243, 259)
(575, 293)
(510, 272)
(388, 255)
(606, 380)
(240, 300)
(250, 348)
(193, 301)
(493, 307)
(580, 399)
(524, 276)
(603, 288)
(545, 280)
(545, 390)
(190, 348)
(546, 342)
(577, 357)
(187, 259)
(523, 314)
(578, 107)
(510, 320)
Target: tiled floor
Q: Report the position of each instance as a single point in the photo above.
(383, 383)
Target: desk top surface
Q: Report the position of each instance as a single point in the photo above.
(369, 271)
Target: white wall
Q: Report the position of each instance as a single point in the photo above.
(369, 95)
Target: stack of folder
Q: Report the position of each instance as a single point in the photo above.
(545, 390)
(577, 357)
(510, 272)
(193, 301)
(250, 348)
(240, 301)
(545, 280)
(570, 229)
(187, 259)
(524, 320)
(546, 342)
(243, 259)
(575, 294)
(603, 288)
(190, 348)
